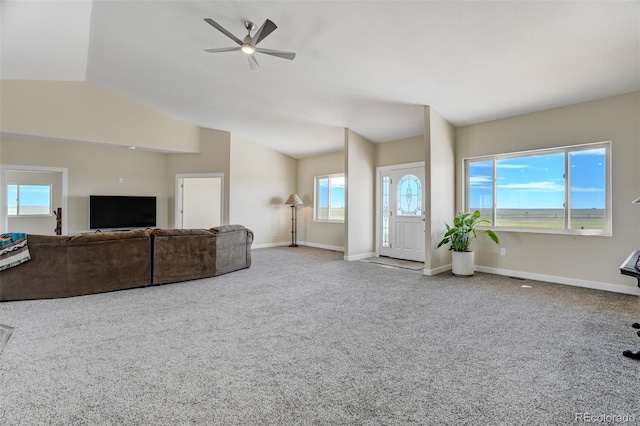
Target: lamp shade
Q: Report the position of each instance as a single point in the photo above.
(294, 200)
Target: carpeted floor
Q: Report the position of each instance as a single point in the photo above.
(305, 338)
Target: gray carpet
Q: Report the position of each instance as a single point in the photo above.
(305, 338)
(396, 263)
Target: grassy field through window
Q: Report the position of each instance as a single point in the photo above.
(546, 218)
(28, 210)
(337, 213)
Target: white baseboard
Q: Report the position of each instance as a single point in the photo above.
(596, 285)
(300, 243)
(267, 245)
(359, 256)
(436, 271)
(322, 246)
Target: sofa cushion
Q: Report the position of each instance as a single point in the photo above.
(182, 254)
(107, 261)
(233, 248)
(44, 276)
(64, 266)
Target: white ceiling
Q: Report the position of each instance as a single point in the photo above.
(366, 65)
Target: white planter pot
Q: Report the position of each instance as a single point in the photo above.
(462, 263)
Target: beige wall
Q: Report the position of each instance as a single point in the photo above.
(214, 155)
(332, 235)
(261, 180)
(94, 170)
(581, 260)
(436, 147)
(440, 172)
(80, 111)
(319, 234)
(43, 123)
(400, 151)
(360, 170)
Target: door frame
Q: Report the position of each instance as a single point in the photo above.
(178, 195)
(64, 202)
(379, 171)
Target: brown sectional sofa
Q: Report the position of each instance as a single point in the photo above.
(64, 266)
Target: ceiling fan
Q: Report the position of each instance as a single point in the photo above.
(248, 44)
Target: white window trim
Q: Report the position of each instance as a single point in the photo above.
(19, 215)
(315, 197)
(608, 229)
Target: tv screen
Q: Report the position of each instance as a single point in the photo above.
(118, 211)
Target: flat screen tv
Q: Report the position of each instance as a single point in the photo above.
(119, 211)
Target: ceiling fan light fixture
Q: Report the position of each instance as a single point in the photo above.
(248, 44)
(248, 49)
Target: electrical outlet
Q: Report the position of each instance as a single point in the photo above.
(503, 251)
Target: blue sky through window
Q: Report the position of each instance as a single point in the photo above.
(12, 196)
(588, 175)
(538, 181)
(34, 199)
(530, 182)
(337, 192)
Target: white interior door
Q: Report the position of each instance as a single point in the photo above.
(200, 202)
(402, 214)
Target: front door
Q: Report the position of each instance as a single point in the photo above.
(402, 213)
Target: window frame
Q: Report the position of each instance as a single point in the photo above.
(20, 215)
(567, 150)
(316, 191)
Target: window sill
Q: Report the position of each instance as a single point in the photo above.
(328, 221)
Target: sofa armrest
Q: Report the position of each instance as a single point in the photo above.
(223, 229)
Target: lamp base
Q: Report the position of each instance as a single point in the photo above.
(293, 245)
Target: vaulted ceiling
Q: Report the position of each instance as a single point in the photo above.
(366, 65)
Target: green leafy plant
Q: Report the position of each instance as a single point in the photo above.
(464, 230)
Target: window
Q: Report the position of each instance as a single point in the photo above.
(386, 211)
(28, 200)
(555, 190)
(329, 198)
(409, 194)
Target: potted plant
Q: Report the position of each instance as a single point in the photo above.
(460, 236)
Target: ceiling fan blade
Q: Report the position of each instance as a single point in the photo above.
(223, 49)
(253, 62)
(220, 28)
(278, 53)
(267, 28)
